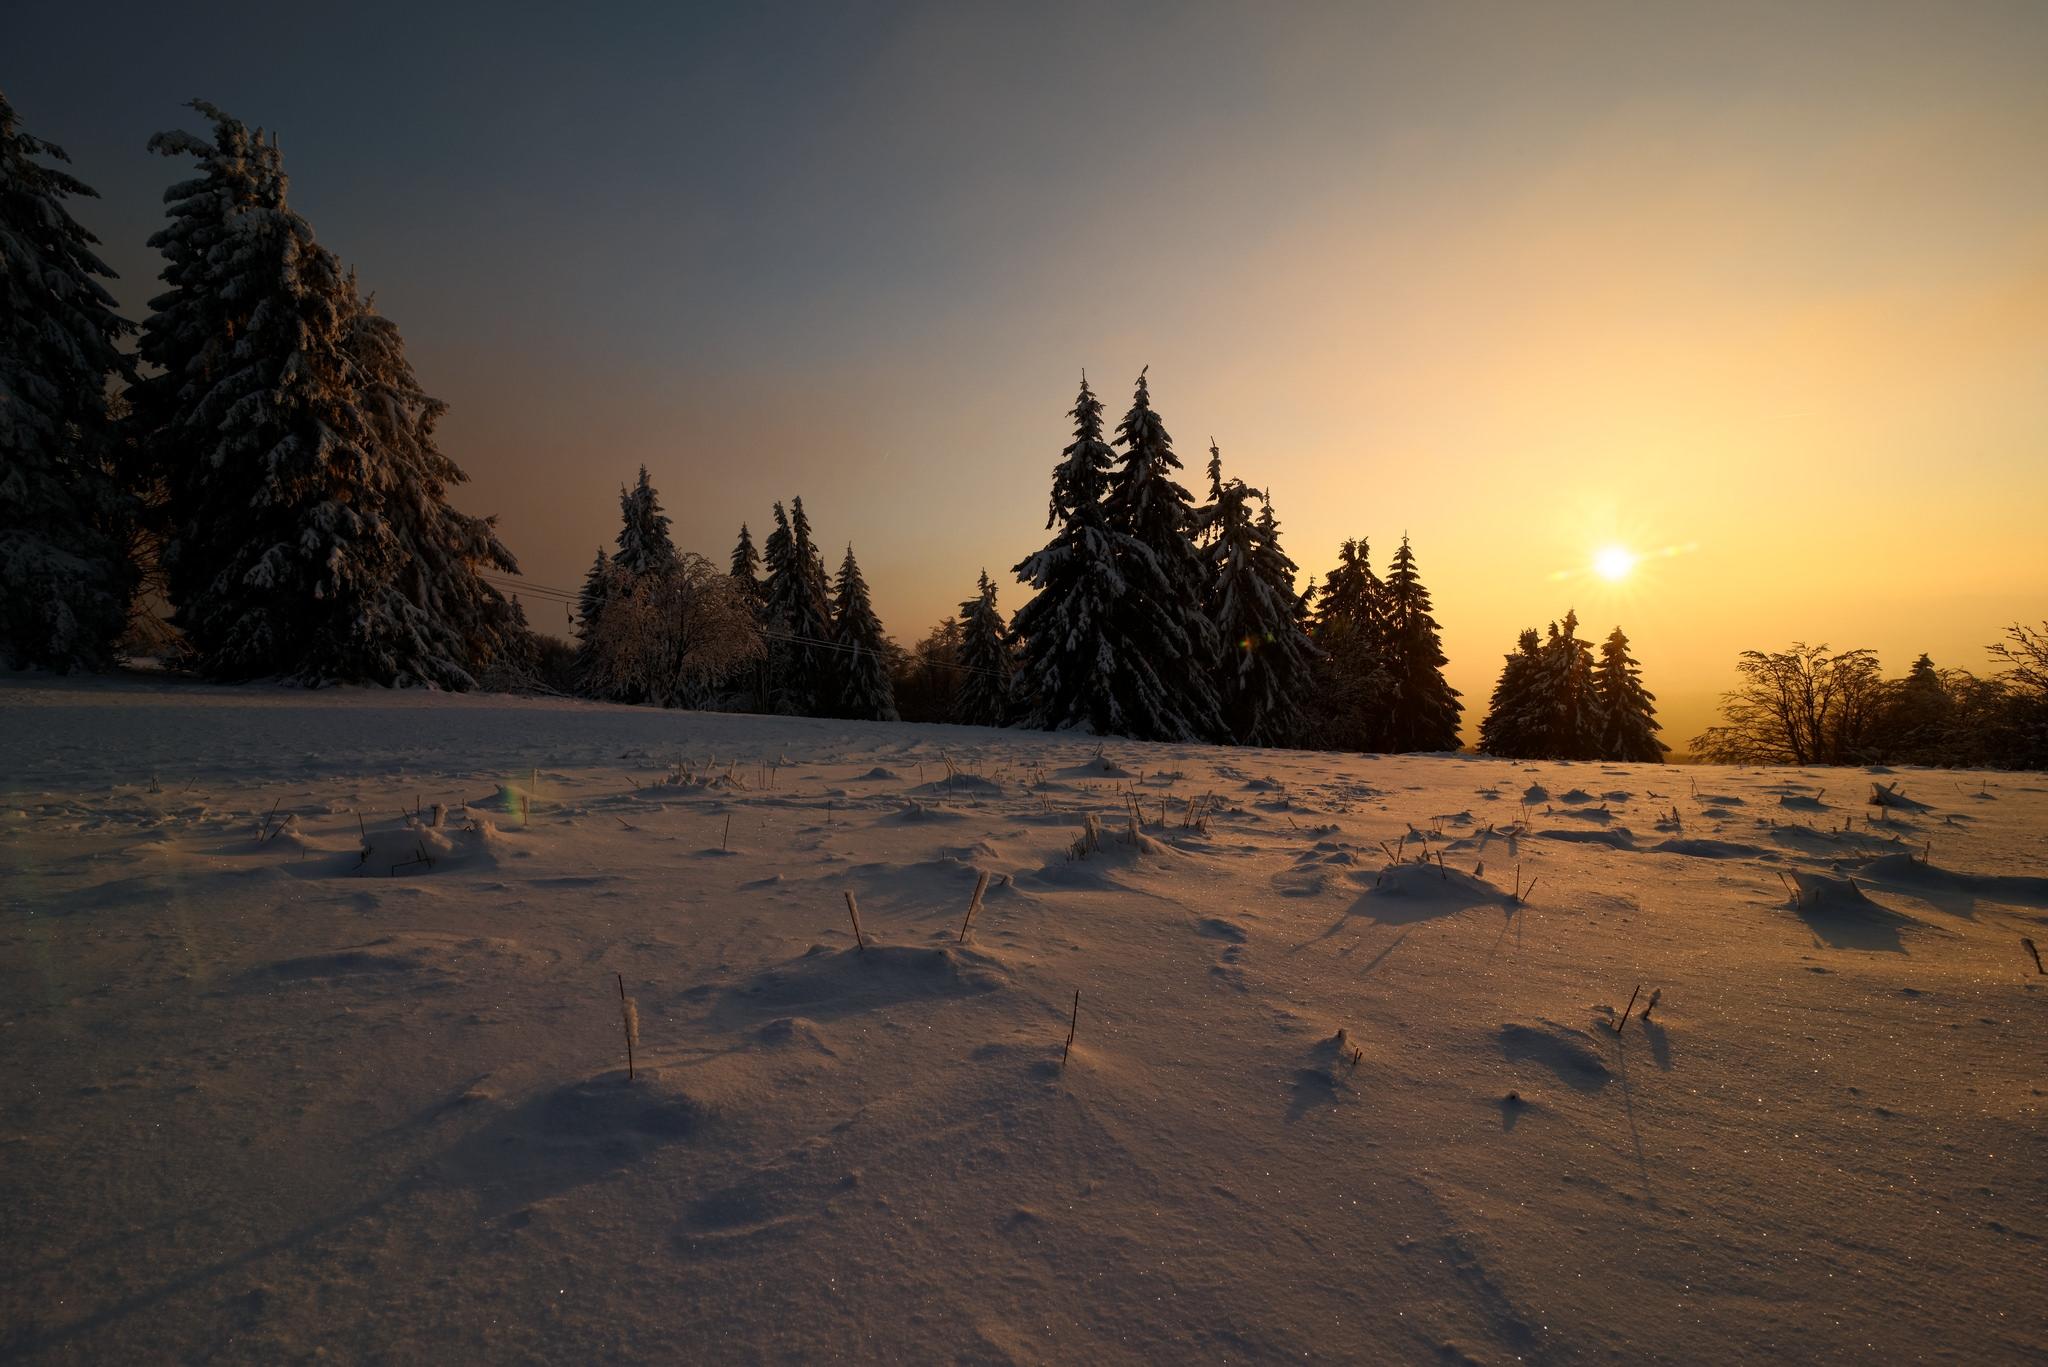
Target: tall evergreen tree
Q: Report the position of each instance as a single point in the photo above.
(1516, 718)
(1627, 710)
(590, 606)
(1086, 660)
(1156, 516)
(750, 689)
(983, 695)
(799, 612)
(1569, 703)
(644, 542)
(1425, 708)
(64, 523)
(778, 608)
(310, 536)
(861, 664)
(1257, 615)
(1353, 690)
(746, 564)
(591, 599)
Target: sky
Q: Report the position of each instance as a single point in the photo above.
(1757, 291)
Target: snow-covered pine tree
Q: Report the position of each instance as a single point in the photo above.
(1425, 708)
(1352, 690)
(1156, 516)
(1628, 710)
(64, 522)
(1567, 701)
(860, 663)
(748, 690)
(746, 564)
(798, 612)
(1079, 663)
(778, 609)
(416, 608)
(309, 535)
(644, 542)
(983, 695)
(1513, 721)
(590, 601)
(1257, 616)
(812, 619)
(590, 606)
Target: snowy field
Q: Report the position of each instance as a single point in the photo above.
(310, 1045)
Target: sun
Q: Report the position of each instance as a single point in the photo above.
(1613, 563)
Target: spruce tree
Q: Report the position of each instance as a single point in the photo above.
(983, 695)
(1424, 708)
(1627, 710)
(590, 601)
(1156, 516)
(861, 663)
(1514, 723)
(746, 565)
(590, 606)
(798, 612)
(749, 690)
(1257, 615)
(64, 522)
(1352, 693)
(309, 534)
(644, 542)
(1567, 703)
(813, 617)
(1086, 658)
(778, 608)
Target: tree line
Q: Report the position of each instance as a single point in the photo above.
(264, 462)
(1811, 705)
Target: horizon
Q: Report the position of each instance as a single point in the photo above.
(1766, 294)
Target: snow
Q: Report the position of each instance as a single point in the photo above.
(267, 1096)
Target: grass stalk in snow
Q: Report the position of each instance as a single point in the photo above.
(973, 904)
(629, 1021)
(853, 914)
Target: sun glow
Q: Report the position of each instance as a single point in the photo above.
(1614, 563)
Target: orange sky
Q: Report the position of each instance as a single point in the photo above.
(1767, 281)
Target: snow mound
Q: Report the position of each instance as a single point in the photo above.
(1615, 837)
(1901, 869)
(1711, 849)
(826, 982)
(1401, 893)
(1572, 1056)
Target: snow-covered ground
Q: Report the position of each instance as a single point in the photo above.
(291, 1066)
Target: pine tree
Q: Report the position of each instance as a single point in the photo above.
(1157, 519)
(590, 606)
(1628, 712)
(644, 542)
(590, 601)
(778, 608)
(1087, 660)
(983, 695)
(309, 533)
(1257, 615)
(746, 564)
(64, 522)
(799, 612)
(1352, 692)
(861, 665)
(1568, 704)
(1425, 709)
(1514, 717)
(750, 691)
